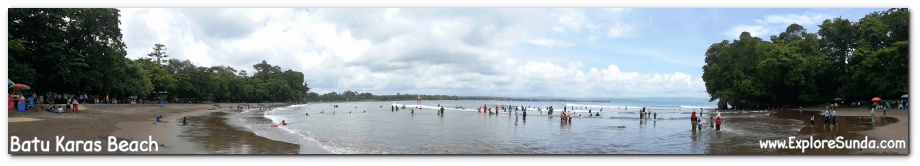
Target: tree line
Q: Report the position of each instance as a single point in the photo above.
(80, 51)
(844, 59)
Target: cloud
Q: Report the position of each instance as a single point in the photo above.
(755, 30)
(620, 30)
(592, 38)
(610, 81)
(551, 43)
(387, 51)
(574, 19)
(788, 19)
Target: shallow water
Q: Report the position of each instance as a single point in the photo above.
(373, 128)
(216, 136)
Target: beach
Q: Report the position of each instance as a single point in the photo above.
(892, 131)
(375, 128)
(132, 122)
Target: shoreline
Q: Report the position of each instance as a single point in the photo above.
(137, 122)
(96, 122)
(885, 132)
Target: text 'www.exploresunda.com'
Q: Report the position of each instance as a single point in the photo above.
(838, 143)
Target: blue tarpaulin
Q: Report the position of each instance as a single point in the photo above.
(163, 102)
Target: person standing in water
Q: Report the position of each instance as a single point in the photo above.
(719, 122)
(834, 117)
(693, 120)
(710, 122)
(524, 115)
(812, 119)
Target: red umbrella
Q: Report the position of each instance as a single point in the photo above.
(876, 99)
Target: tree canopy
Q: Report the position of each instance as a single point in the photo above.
(79, 51)
(846, 59)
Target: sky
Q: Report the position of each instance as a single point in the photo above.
(501, 52)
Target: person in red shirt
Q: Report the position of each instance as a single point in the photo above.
(693, 120)
(718, 123)
(10, 98)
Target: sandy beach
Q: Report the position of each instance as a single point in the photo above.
(210, 131)
(123, 121)
(893, 131)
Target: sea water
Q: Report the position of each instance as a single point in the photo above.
(373, 128)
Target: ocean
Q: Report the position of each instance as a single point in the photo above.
(374, 128)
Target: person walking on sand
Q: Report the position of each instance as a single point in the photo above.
(885, 109)
(873, 111)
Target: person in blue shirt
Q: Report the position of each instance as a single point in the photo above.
(812, 119)
(834, 116)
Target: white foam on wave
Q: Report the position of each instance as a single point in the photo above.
(332, 149)
(703, 107)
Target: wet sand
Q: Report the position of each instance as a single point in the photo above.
(124, 121)
(212, 131)
(893, 126)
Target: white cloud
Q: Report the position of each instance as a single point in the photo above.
(552, 79)
(592, 38)
(551, 43)
(574, 19)
(788, 19)
(621, 30)
(755, 30)
(388, 51)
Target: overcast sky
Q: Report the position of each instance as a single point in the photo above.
(529, 52)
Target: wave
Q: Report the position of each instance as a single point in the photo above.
(704, 107)
(620, 107)
(325, 146)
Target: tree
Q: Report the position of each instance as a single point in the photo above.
(882, 72)
(159, 51)
(69, 50)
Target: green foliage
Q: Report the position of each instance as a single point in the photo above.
(882, 72)
(844, 59)
(81, 51)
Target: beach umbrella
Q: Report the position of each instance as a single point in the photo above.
(838, 99)
(904, 96)
(876, 99)
(19, 87)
